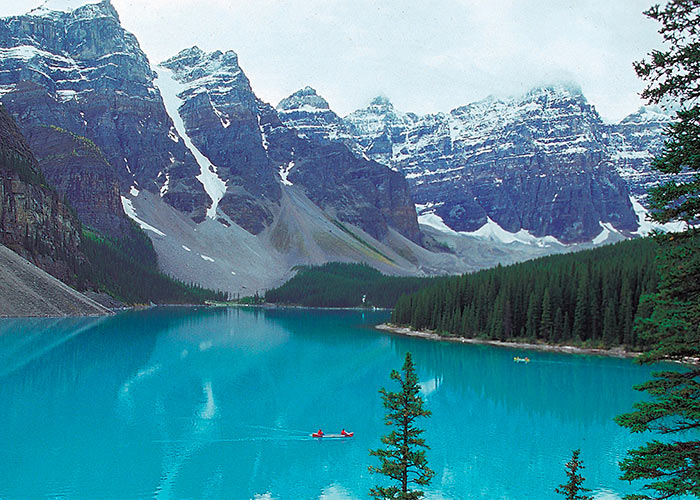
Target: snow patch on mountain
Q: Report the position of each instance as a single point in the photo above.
(606, 230)
(490, 231)
(61, 6)
(223, 117)
(263, 137)
(284, 173)
(166, 185)
(131, 213)
(28, 52)
(646, 226)
(648, 114)
(435, 221)
(170, 90)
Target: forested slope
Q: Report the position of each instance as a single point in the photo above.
(128, 271)
(587, 297)
(343, 285)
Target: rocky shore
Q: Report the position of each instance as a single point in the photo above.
(615, 351)
(26, 290)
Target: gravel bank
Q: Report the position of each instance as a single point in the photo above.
(26, 290)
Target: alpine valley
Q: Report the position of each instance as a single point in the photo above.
(234, 193)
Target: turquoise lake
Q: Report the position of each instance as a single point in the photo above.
(196, 403)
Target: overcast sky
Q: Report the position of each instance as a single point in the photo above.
(426, 56)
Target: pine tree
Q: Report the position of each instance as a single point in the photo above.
(609, 325)
(674, 408)
(573, 489)
(559, 326)
(546, 324)
(673, 76)
(627, 315)
(581, 310)
(533, 316)
(403, 460)
(673, 325)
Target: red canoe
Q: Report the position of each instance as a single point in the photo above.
(346, 435)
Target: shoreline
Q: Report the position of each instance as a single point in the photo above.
(272, 305)
(616, 352)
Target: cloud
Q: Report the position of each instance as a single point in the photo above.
(425, 56)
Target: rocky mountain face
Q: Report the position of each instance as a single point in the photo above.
(78, 170)
(543, 163)
(234, 193)
(632, 145)
(81, 71)
(253, 155)
(220, 115)
(229, 195)
(34, 221)
(310, 114)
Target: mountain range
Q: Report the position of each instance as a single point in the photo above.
(544, 163)
(234, 193)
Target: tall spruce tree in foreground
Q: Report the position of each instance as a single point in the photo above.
(403, 460)
(573, 488)
(672, 467)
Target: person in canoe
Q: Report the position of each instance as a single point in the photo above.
(346, 434)
(318, 434)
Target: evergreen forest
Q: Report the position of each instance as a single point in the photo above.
(590, 297)
(344, 285)
(125, 269)
(128, 271)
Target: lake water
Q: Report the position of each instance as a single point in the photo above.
(179, 403)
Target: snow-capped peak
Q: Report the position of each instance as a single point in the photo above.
(305, 99)
(381, 101)
(67, 6)
(648, 114)
(195, 65)
(566, 88)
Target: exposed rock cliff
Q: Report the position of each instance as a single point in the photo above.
(543, 163)
(254, 155)
(34, 221)
(78, 170)
(81, 71)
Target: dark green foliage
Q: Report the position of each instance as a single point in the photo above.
(590, 296)
(671, 317)
(250, 300)
(25, 169)
(127, 270)
(572, 489)
(672, 466)
(403, 460)
(672, 75)
(343, 285)
(671, 324)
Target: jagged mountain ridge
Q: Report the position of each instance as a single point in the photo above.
(543, 163)
(256, 155)
(221, 158)
(34, 220)
(78, 69)
(255, 187)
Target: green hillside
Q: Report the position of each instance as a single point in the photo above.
(343, 285)
(589, 297)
